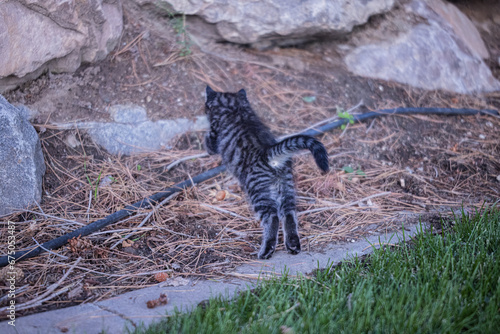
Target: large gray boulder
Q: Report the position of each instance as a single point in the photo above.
(40, 35)
(21, 160)
(445, 52)
(280, 22)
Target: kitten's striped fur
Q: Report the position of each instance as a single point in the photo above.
(262, 165)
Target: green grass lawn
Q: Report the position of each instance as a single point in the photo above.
(448, 283)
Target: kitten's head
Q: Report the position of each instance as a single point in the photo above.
(218, 102)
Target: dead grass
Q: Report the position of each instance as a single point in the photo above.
(196, 234)
(409, 167)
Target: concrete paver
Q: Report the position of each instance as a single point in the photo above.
(132, 305)
(85, 318)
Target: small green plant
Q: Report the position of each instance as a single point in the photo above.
(139, 167)
(97, 185)
(179, 25)
(345, 114)
(360, 172)
(349, 169)
(92, 186)
(178, 22)
(309, 99)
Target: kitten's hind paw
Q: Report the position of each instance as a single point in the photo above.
(267, 250)
(292, 244)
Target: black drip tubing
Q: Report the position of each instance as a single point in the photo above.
(150, 201)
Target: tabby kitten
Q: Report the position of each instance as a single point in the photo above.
(262, 165)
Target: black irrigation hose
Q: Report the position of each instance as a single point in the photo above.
(400, 111)
(149, 201)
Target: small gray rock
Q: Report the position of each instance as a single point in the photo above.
(132, 131)
(21, 160)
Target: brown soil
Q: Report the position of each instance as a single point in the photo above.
(405, 167)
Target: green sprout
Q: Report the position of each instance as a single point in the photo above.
(349, 170)
(345, 114)
(178, 22)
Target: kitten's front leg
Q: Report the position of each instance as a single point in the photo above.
(211, 144)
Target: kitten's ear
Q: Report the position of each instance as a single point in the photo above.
(209, 94)
(242, 93)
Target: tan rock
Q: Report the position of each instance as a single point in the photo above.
(273, 21)
(40, 35)
(461, 25)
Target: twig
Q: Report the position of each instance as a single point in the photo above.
(129, 45)
(315, 236)
(56, 284)
(39, 207)
(142, 83)
(90, 202)
(172, 58)
(48, 250)
(247, 276)
(153, 210)
(238, 233)
(123, 230)
(344, 131)
(344, 205)
(371, 125)
(18, 291)
(40, 301)
(53, 217)
(225, 211)
(174, 232)
(176, 162)
(42, 298)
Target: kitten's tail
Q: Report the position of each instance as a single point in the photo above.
(288, 146)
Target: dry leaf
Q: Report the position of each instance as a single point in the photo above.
(221, 195)
(127, 243)
(339, 186)
(78, 245)
(161, 277)
(248, 249)
(163, 300)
